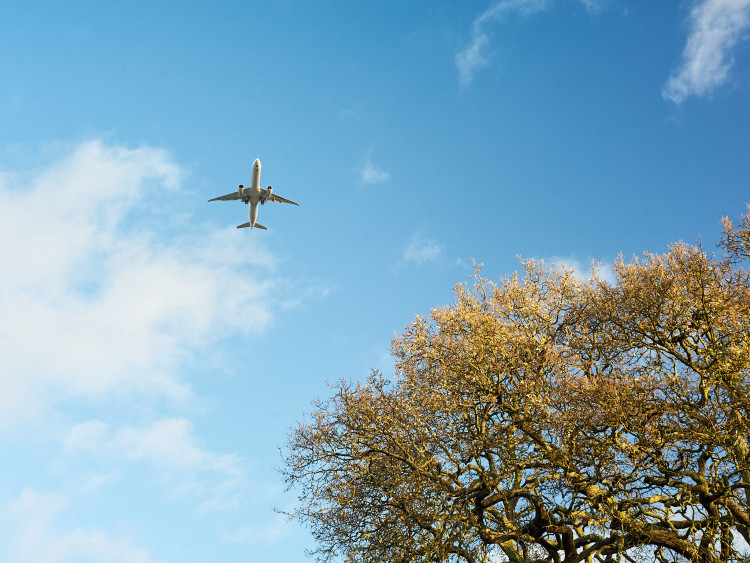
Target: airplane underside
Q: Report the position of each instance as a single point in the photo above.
(253, 196)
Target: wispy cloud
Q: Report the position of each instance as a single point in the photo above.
(421, 250)
(584, 270)
(269, 533)
(33, 516)
(351, 110)
(168, 444)
(715, 28)
(94, 303)
(595, 6)
(371, 174)
(475, 55)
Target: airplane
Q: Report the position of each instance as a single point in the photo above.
(254, 195)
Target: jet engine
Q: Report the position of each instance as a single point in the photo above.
(266, 195)
(241, 191)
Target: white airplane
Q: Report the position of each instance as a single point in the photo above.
(254, 195)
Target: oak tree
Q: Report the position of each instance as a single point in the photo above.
(548, 418)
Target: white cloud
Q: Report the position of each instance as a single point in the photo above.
(420, 250)
(475, 55)
(472, 58)
(595, 6)
(34, 514)
(170, 446)
(583, 271)
(95, 299)
(351, 111)
(371, 174)
(716, 26)
(263, 534)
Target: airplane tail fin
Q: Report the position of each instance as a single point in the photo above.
(257, 226)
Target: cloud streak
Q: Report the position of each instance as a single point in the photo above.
(475, 55)
(715, 28)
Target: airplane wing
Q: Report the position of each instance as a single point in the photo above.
(228, 197)
(279, 199)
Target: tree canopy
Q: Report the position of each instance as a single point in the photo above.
(548, 418)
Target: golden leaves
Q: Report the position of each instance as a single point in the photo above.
(549, 417)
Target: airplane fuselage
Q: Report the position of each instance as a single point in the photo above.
(251, 195)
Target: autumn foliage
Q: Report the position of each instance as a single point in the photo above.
(548, 418)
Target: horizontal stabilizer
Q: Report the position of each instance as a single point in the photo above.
(257, 226)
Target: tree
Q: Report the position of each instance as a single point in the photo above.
(546, 418)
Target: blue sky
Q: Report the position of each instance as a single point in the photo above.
(152, 356)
